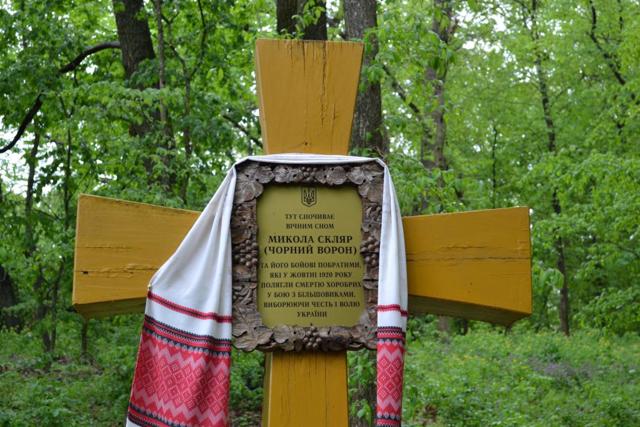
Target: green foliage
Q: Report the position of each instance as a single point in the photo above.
(497, 137)
(247, 374)
(311, 12)
(486, 80)
(490, 379)
(614, 310)
(67, 388)
(497, 150)
(62, 389)
(361, 383)
(483, 378)
(545, 287)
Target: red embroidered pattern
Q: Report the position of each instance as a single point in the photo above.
(393, 307)
(188, 311)
(390, 363)
(181, 379)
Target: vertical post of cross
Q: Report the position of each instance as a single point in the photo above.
(306, 93)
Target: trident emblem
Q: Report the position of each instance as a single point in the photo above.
(309, 195)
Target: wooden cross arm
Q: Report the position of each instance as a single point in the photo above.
(473, 265)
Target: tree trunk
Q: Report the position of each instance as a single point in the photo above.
(564, 304)
(66, 223)
(164, 115)
(434, 134)
(30, 238)
(136, 46)
(187, 76)
(367, 130)
(609, 54)
(494, 167)
(433, 142)
(186, 138)
(84, 339)
(365, 391)
(287, 13)
(165, 137)
(609, 51)
(32, 163)
(133, 33)
(442, 25)
(366, 133)
(543, 88)
(444, 324)
(8, 299)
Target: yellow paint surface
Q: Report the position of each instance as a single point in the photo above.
(305, 389)
(307, 93)
(475, 265)
(119, 245)
(468, 264)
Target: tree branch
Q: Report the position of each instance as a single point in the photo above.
(609, 59)
(24, 123)
(203, 40)
(242, 129)
(90, 51)
(401, 92)
(37, 104)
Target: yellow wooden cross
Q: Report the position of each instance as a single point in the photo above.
(474, 265)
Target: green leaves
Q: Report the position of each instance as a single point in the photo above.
(614, 310)
(483, 81)
(487, 378)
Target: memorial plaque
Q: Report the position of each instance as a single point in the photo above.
(305, 245)
(310, 270)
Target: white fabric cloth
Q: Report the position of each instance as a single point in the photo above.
(198, 274)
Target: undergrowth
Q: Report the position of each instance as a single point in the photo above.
(484, 378)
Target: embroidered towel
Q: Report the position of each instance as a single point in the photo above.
(182, 372)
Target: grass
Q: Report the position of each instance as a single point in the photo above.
(485, 378)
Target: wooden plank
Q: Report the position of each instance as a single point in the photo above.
(478, 260)
(475, 265)
(119, 245)
(305, 389)
(307, 93)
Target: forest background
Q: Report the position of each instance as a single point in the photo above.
(473, 104)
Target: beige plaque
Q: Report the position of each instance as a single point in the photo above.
(310, 267)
